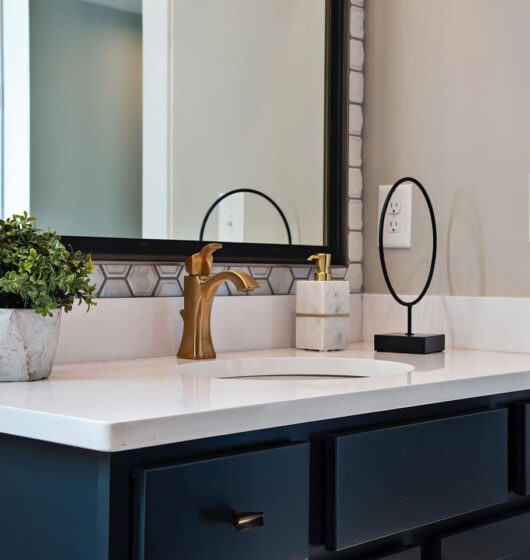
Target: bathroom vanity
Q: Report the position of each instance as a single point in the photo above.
(151, 459)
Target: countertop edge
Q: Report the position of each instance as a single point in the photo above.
(114, 437)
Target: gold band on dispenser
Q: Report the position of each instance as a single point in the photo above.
(322, 315)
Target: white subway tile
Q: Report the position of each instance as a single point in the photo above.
(355, 247)
(355, 151)
(355, 182)
(355, 215)
(356, 54)
(355, 119)
(354, 275)
(357, 22)
(356, 86)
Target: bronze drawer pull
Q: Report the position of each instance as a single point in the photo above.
(247, 520)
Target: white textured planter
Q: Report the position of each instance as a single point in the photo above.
(27, 344)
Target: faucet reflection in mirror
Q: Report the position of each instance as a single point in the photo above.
(200, 287)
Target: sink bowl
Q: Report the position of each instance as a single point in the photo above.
(293, 368)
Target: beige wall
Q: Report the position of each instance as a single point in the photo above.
(248, 111)
(447, 100)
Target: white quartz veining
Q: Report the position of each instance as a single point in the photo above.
(113, 406)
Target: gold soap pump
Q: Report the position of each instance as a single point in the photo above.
(322, 309)
(323, 264)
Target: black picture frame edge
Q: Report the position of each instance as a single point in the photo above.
(336, 169)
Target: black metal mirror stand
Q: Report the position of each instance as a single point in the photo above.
(246, 191)
(410, 342)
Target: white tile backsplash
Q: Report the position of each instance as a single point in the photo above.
(354, 275)
(355, 215)
(473, 323)
(355, 246)
(355, 182)
(355, 124)
(357, 22)
(356, 54)
(149, 327)
(356, 86)
(355, 147)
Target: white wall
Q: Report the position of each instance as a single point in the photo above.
(16, 106)
(156, 190)
(447, 101)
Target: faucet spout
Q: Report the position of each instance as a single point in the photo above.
(241, 280)
(200, 288)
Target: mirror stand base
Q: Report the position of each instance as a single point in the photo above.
(409, 344)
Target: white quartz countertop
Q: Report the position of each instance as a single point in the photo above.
(120, 405)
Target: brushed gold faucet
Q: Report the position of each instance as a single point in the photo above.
(199, 290)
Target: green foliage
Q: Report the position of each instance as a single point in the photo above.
(38, 272)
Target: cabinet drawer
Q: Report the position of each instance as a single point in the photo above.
(500, 540)
(191, 509)
(389, 480)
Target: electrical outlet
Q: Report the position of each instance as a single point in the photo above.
(231, 218)
(398, 219)
(394, 206)
(393, 226)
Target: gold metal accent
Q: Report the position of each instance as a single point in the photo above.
(199, 290)
(323, 260)
(249, 520)
(322, 315)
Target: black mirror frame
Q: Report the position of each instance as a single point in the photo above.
(336, 181)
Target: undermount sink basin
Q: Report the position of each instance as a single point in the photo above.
(293, 368)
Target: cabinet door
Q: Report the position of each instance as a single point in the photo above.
(385, 481)
(508, 539)
(251, 505)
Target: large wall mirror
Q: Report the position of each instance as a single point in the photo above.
(139, 130)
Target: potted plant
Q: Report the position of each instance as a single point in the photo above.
(39, 277)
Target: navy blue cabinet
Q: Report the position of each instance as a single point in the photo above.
(364, 486)
(252, 505)
(507, 539)
(407, 554)
(385, 481)
(522, 463)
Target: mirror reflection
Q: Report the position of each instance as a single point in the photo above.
(125, 121)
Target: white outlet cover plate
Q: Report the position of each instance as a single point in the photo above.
(231, 218)
(402, 239)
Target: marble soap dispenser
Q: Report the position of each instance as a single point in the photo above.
(322, 309)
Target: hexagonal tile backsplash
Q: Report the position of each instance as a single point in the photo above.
(166, 280)
(151, 281)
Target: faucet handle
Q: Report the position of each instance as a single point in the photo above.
(201, 263)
